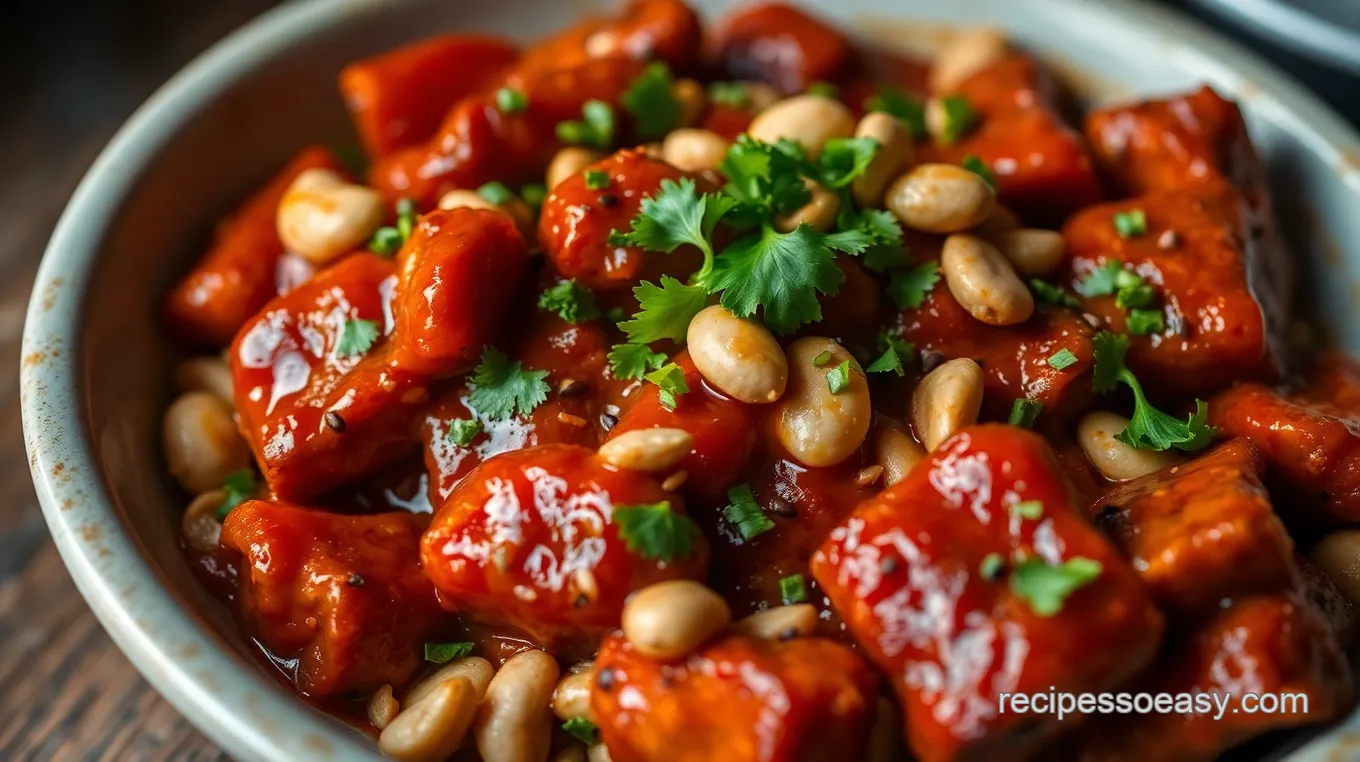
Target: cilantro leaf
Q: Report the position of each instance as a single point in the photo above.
(888, 362)
(443, 653)
(596, 179)
(463, 430)
(496, 192)
(666, 311)
(510, 101)
(674, 216)
(1130, 224)
(501, 388)
(237, 488)
(596, 127)
(839, 377)
(781, 272)
(886, 251)
(909, 288)
(1108, 279)
(634, 360)
(670, 380)
(910, 111)
(582, 730)
(958, 118)
(744, 514)
(572, 302)
(1133, 297)
(792, 589)
(656, 532)
(356, 337)
(1145, 322)
(655, 110)
(388, 240)
(1052, 294)
(979, 167)
(534, 194)
(1149, 428)
(845, 159)
(766, 178)
(734, 94)
(1046, 587)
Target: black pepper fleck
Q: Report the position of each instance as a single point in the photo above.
(604, 680)
(355, 580)
(788, 634)
(781, 507)
(608, 200)
(582, 601)
(1107, 515)
(888, 564)
(931, 359)
(608, 421)
(333, 421)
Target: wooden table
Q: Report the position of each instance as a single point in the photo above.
(71, 75)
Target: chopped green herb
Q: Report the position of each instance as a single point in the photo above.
(1028, 509)
(386, 241)
(1107, 279)
(991, 566)
(496, 192)
(237, 488)
(534, 194)
(734, 94)
(571, 301)
(406, 217)
(824, 89)
(1052, 294)
(511, 101)
(655, 532)
(979, 167)
(1145, 322)
(634, 360)
(1062, 359)
(674, 216)
(650, 100)
(1047, 587)
(1130, 224)
(582, 730)
(670, 380)
(666, 311)
(744, 514)
(888, 362)
(909, 288)
(357, 337)
(463, 430)
(1140, 295)
(843, 160)
(823, 357)
(839, 377)
(1149, 428)
(781, 273)
(1024, 413)
(501, 388)
(908, 109)
(959, 119)
(443, 653)
(792, 589)
(596, 127)
(597, 179)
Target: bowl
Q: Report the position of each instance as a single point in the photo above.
(95, 361)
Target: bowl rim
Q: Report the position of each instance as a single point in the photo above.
(171, 647)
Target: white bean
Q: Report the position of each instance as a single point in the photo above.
(598, 753)
(568, 161)
(983, 281)
(779, 623)
(946, 400)
(514, 723)
(940, 198)
(321, 216)
(819, 213)
(670, 619)
(205, 374)
(693, 99)
(572, 696)
(474, 669)
(651, 450)
(808, 120)
(202, 445)
(1338, 555)
(462, 198)
(760, 96)
(1001, 220)
(694, 150)
(894, 155)
(739, 356)
(968, 53)
(898, 453)
(816, 426)
(573, 753)
(1116, 460)
(519, 211)
(382, 708)
(200, 526)
(432, 729)
(1033, 253)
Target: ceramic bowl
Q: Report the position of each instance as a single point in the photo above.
(95, 361)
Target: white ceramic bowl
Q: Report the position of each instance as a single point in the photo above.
(95, 370)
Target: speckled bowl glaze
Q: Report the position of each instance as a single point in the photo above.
(95, 362)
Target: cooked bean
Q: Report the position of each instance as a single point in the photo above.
(572, 696)
(1001, 220)
(1116, 460)
(739, 356)
(1033, 253)
(598, 753)
(568, 162)
(694, 150)
(693, 99)
(514, 723)
(321, 216)
(1339, 556)
(518, 210)
(897, 452)
(819, 213)
(382, 707)
(779, 623)
(940, 198)
(474, 669)
(894, 155)
(670, 619)
(983, 281)
(200, 526)
(432, 729)
(760, 96)
(573, 753)
(946, 400)
(202, 445)
(968, 53)
(817, 427)
(808, 120)
(461, 198)
(205, 374)
(650, 450)
(937, 120)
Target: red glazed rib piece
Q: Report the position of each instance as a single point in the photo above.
(343, 595)
(782, 46)
(906, 571)
(239, 274)
(398, 99)
(529, 540)
(737, 700)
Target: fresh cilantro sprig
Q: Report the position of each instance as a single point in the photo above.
(1149, 428)
(357, 336)
(656, 532)
(628, 361)
(501, 388)
(909, 288)
(649, 99)
(665, 311)
(571, 301)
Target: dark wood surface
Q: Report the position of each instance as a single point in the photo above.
(70, 73)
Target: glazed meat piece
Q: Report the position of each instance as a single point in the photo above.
(530, 540)
(1267, 645)
(780, 45)
(343, 595)
(664, 30)
(945, 579)
(240, 273)
(724, 431)
(577, 222)
(398, 99)
(1041, 165)
(738, 700)
(1207, 275)
(1310, 438)
(1202, 531)
(459, 273)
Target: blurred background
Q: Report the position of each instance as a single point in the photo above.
(70, 73)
